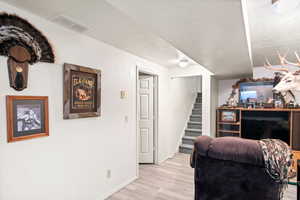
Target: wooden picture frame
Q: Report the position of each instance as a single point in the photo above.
(82, 92)
(27, 117)
(228, 116)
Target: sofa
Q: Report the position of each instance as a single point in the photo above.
(231, 168)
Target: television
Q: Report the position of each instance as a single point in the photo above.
(255, 91)
(269, 124)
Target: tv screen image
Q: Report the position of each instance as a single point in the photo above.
(258, 91)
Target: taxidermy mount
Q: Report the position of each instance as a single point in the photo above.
(289, 82)
(23, 44)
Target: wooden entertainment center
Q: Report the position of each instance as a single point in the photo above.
(258, 123)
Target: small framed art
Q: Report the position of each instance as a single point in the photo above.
(228, 116)
(27, 117)
(82, 92)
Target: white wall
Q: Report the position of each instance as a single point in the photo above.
(71, 164)
(199, 83)
(206, 105)
(214, 104)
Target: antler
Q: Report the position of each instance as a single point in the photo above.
(284, 62)
(292, 63)
(269, 66)
(282, 58)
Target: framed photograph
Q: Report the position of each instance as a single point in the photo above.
(27, 117)
(82, 92)
(228, 116)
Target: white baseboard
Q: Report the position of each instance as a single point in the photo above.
(119, 187)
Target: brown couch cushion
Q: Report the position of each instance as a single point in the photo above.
(230, 148)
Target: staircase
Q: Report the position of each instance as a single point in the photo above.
(194, 127)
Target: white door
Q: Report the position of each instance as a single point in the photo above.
(146, 154)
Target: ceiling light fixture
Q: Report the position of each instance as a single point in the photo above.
(183, 63)
(284, 6)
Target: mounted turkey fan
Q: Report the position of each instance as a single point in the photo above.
(23, 44)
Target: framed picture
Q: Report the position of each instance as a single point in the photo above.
(228, 116)
(27, 117)
(82, 92)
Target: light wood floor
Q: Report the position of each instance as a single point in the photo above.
(172, 180)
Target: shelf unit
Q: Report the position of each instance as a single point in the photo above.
(225, 128)
(234, 128)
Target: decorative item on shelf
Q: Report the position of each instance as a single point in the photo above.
(232, 102)
(23, 44)
(269, 103)
(278, 104)
(260, 104)
(241, 105)
(251, 105)
(291, 104)
(27, 117)
(82, 92)
(289, 82)
(270, 100)
(251, 100)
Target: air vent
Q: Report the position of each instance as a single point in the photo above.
(67, 22)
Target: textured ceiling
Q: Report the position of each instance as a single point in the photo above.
(210, 32)
(271, 32)
(105, 23)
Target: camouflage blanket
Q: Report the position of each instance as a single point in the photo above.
(278, 159)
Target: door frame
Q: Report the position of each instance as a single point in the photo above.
(155, 113)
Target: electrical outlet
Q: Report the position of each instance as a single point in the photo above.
(108, 174)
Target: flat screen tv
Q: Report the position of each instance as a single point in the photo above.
(255, 91)
(269, 124)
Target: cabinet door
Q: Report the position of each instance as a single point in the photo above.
(296, 131)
